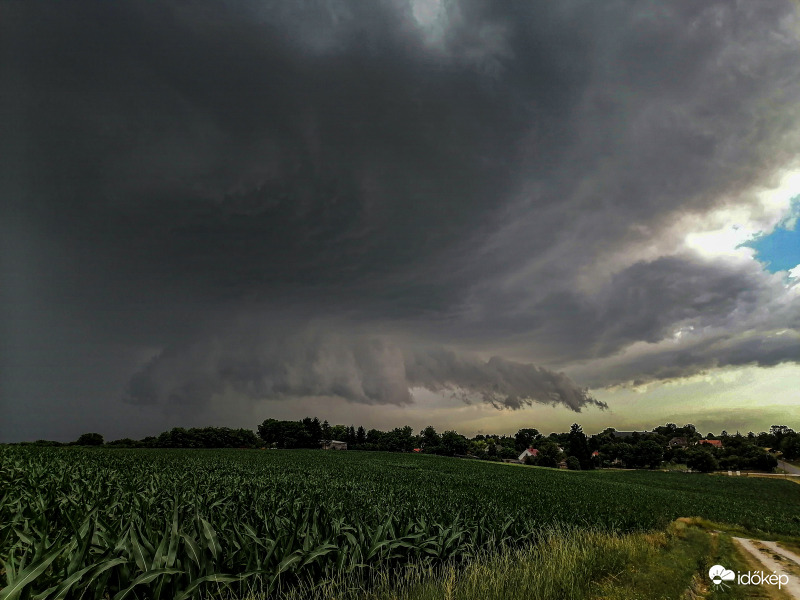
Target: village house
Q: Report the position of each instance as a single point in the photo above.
(528, 452)
(715, 443)
(678, 442)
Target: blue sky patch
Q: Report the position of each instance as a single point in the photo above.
(779, 250)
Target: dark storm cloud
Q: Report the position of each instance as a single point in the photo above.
(317, 361)
(451, 170)
(731, 317)
(274, 147)
(687, 313)
(650, 300)
(238, 158)
(500, 382)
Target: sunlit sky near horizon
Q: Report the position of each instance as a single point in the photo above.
(475, 214)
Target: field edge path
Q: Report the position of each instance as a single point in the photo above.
(793, 587)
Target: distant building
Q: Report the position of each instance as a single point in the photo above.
(678, 442)
(715, 443)
(335, 445)
(528, 452)
(595, 453)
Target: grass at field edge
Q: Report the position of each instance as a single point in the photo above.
(569, 564)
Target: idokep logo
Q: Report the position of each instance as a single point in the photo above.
(719, 575)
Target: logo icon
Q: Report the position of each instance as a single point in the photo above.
(718, 574)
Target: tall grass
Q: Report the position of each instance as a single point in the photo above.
(564, 563)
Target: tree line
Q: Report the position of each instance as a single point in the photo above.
(649, 449)
(177, 437)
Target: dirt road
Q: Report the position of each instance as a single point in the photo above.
(782, 464)
(776, 560)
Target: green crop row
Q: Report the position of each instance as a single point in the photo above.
(178, 523)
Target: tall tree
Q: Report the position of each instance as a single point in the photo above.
(578, 446)
(312, 433)
(650, 453)
(375, 436)
(430, 439)
(339, 432)
(454, 443)
(549, 454)
(525, 438)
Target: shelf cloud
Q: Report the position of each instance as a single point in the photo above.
(318, 362)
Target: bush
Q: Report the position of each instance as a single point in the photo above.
(89, 439)
(573, 464)
(703, 461)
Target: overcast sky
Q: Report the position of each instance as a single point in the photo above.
(479, 215)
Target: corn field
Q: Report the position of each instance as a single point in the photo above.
(100, 523)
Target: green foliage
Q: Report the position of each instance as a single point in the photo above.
(649, 453)
(701, 460)
(526, 438)
(429, 439)
(738, 453)
(578, 447)
(206, 437)
(549, 454)
(453, 443)
(340, 432)
(573, 464)
(506, 452)
(307, 433)
(89, 439)
(790, 446)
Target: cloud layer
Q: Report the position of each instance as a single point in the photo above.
(541, 183)
(318, 362)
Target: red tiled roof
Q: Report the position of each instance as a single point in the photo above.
(717, 443)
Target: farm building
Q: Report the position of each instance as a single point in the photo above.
(678, 442)
(335, 445)
(715, 443)
(528, 452)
